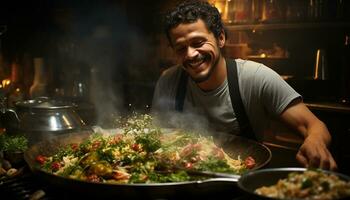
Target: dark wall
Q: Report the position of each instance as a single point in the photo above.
(109, 45)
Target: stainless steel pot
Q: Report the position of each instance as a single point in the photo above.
(41, 118)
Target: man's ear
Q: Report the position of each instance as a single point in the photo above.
(222, 39)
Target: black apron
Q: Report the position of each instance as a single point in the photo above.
(236, 100)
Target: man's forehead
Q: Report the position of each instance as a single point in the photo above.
(186, 31)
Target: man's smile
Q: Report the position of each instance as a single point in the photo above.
(195, 64)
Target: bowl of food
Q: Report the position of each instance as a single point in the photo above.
(295, 183)
(12, 148)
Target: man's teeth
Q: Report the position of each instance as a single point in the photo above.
(197, 63)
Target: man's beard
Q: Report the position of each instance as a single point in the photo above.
(211, 70)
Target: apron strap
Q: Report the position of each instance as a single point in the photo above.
(181, 91)
(236, 100)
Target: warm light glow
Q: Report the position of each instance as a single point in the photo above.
(263, 55)
(5, 82)
(221, 5)
(66, 121)
(18, 89)
(317, 64)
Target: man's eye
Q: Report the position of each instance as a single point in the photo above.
(198, 44)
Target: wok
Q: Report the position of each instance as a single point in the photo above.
(233, 145)
(250, 181)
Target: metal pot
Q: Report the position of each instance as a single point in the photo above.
(41, 117)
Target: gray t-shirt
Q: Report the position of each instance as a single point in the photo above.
(264, 94)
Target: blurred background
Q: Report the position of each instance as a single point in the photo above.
(114, 51)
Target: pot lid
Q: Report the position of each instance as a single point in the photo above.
(43, 103)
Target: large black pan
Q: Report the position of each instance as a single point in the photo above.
(250, 181)
(233, 145)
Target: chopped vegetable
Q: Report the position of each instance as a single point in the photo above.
(141, 153)
(13, 143)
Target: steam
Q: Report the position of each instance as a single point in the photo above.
(108, 48)
(189, 121)
(114, 52)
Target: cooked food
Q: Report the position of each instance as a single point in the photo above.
(142, 153)
(309, 184)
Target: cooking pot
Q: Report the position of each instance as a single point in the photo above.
(208, 188)
(41, 117)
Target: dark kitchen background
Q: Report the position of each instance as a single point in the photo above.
(106, 56)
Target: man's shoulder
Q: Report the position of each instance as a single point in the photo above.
(170, 75)
(171, 71)
(249, 68)
(248, 64)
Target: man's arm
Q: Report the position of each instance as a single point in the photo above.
(314, 150)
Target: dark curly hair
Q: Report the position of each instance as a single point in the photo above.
(191, 11)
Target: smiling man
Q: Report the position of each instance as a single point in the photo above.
(233, 95)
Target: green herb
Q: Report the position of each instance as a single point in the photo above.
(325, 185)
(178, 177)
(136, 178)
(150, 141)
(68, 170)
(306, 183)
(47, 166)
(62, 152)
(171, 177)
(13, 143)
(215, 165)
(106, 154)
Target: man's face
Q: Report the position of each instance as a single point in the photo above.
(197, 49)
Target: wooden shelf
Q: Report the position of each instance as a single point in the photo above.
(279, 26)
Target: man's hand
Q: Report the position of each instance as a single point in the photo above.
(314, 153)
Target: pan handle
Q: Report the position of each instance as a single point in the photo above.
(228, 178)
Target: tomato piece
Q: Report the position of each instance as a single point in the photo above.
(188, 165)
(74, 146)
(120, 176)
(249, 162)
(135, 147)
(93, 178)
(41, 159)
(55, 166)
(116, 139)
(96, 145)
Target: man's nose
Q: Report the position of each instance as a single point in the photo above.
(191, 53)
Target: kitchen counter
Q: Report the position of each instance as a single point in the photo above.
(329, 106)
